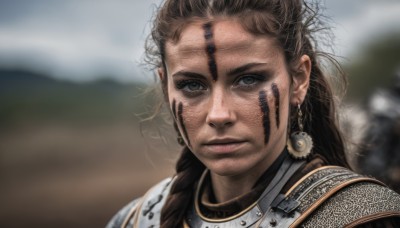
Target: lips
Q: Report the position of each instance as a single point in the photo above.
(224, 145)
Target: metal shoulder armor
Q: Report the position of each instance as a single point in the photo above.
(326, 197)
(337, 197)
(333, 197)
(145, 211)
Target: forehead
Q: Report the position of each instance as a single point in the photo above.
(229, 37)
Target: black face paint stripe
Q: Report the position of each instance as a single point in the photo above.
(182, 123)
(174, 108)
(207, 31)
(210, 49)
(265, 111)
(275, 91)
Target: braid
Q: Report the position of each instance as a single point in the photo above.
(188, 171)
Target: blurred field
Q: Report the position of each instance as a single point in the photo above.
(77, 166)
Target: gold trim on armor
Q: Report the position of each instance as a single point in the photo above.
(327, 195)
(197, 208)
(308, 175)
(373, 217)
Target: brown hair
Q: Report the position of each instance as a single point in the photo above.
(293, 24)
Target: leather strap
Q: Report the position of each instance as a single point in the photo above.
(289, 167)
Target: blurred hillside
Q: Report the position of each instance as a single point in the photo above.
(72, 154)
(30, 97)
(373, 67)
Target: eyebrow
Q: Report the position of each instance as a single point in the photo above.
(243, 68)
(188, 74)
(230, 73)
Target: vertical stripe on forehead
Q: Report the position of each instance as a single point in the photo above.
(210, 49)
(265, 111)
(275, 91)
(182, 122)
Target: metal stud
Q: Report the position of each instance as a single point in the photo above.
(258, 213)
(272, 222)
(243, 223)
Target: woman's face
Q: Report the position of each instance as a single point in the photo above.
(229, 92)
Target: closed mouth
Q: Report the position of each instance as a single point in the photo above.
(223, 141)
(224, 145)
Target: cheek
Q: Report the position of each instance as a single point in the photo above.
(265, 110)
(173, 108)
(194, 118)
(249, 114)
(182, 123)
(179, 112)
(266, 113)
(276, 92)
(280, 105)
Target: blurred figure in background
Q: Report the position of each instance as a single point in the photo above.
(380, 149)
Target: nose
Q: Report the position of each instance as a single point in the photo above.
(220, 111)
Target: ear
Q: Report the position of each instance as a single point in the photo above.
(301, 80)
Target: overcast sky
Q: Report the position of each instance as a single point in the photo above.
(85, 39)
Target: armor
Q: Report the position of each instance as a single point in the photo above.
(330, 196)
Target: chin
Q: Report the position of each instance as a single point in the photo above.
(228, 168)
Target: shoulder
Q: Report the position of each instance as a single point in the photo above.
(119, 218)
(335, 195)
(145, 210)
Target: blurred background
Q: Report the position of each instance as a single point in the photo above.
(73, 148)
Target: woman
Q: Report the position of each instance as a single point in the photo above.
(256, 117)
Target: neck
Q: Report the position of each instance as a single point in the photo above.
(226, 188)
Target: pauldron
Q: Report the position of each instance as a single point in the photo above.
(326, 197)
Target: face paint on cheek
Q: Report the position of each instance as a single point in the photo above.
(265, 111)
(174, 108)
(275, 91)
(182, 122)
(210, 49)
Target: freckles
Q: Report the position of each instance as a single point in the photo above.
(262, 99)
(181, 122)
(210, 50)
(275, 91)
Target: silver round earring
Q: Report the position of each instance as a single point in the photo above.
(299, 144)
